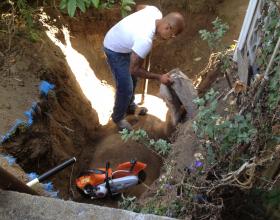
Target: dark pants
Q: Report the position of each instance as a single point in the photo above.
(125, 83)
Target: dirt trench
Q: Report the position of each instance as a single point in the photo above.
(65, 122)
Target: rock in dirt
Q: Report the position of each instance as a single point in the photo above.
(13, 69)
(5, 106)
(20, 66)
(23, 65)
(8, 106)
(21, 83)
(173, 103)
(180, 94)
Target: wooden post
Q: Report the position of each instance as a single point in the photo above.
(9, 182)
(147, 66)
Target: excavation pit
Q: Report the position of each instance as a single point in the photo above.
(74, 119)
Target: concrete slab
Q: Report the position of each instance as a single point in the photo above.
(19, 206)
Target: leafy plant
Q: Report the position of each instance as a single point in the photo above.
(128, 203)
(161, 146)
(240, 149)
(270, 27)
(134, 135)
(165, 179)
(220, 133)
(152, 207)
(126, 6)
(272, 198)
(274, 92)
(25, 11)
(239, 130)
(83, 5)
(176, 208)
(20, 15)
(214, 38)
(206, 119)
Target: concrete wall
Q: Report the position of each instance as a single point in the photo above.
(19, 206)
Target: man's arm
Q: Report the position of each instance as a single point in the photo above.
(136, 69)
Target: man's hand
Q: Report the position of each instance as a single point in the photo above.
(136, 69)
(165, 79)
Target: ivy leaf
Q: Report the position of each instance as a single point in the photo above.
(95, 3)
(81, 5)
(71, 7)
(127, 8)
(128, 2)
(199, 102)
(124, 13)
(63, 4)
(87, 3)
(209, 130)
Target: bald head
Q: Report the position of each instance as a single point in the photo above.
(170, 26)
(176, 20)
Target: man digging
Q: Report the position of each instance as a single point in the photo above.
(127, 44)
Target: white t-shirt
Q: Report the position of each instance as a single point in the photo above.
(134, 33)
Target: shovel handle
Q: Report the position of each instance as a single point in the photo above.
(51, 172)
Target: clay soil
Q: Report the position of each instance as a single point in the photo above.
(65, 124)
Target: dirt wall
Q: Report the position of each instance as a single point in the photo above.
(63, 121)
(88, 31)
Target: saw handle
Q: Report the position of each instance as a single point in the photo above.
(107, 184)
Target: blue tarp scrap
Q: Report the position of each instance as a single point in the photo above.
(32, 176)
(53, 194)
(10, 159)
(19, 122)
(11, 132)
(29, 114)
(48, 187)
(45, 87)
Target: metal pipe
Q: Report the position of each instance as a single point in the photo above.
(266, 74)
(51, 172)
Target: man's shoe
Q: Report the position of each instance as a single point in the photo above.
(124, 124)
(143, 111)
